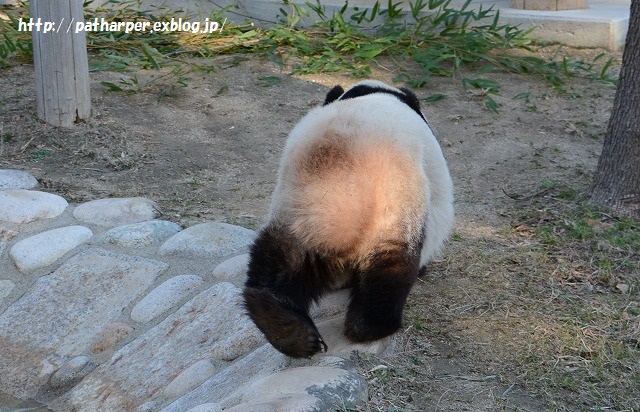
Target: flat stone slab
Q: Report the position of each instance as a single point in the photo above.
(308, 388)
(209, 240)
(142, 234)
(45, 248)
(117, 211)
(16, 179)
(24, 206)
(209, 326)
(224, 389)
(58, 318)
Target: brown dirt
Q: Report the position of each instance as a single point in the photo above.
(209, 151)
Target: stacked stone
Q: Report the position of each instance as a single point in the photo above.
(106, 307)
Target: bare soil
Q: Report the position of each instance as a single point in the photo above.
(477, 336)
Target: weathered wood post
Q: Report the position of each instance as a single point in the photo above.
(60, 60)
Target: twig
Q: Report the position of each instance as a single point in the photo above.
(468, 378)
(536, 194)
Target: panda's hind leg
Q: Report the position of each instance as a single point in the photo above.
(379, 294)
(278, 292)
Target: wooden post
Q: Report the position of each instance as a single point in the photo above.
(60, 61)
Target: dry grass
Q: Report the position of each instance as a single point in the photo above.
(548, 305)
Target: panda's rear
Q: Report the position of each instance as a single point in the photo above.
(347, 194)
(358, 182)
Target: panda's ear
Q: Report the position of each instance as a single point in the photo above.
(333, 95)
(410, 99)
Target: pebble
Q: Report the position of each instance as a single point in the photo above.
(142, 234)
(117, 211)
(70, 372)
(190, 378)
(208, 240)
(16, 179)
(233, 269)
(164, 297)
(45, 248)
(24, 206)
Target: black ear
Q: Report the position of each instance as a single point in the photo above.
(333, 95)
(410, 99)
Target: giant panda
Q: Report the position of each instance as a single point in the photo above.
(363, 199)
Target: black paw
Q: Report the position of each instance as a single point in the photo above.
(299, 339)
(290, 331)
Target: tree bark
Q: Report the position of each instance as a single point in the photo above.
(617, 179)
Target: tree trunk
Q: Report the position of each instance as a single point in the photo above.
(617, 179)
(60, 62)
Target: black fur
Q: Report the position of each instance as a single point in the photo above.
(333, 95)
(380, 292)
(284, 280)
(407, 96)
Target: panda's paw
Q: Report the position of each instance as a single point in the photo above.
(303, 343)
(290, 331)
(297, 337)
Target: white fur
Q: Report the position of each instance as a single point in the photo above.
(387, 180)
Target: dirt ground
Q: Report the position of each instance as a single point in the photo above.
(209, 151)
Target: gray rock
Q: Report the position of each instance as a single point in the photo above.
(164, 297)
(117, 211)
(16, 179)
(62, 313)
(24, 206)
(209, 240)
(45, 248)
(109, 336)
(225, 388)
(233, 269)
(142, 234)
(71, 372)
(6, 286)
(140, 371)
(299, 402)
(330, 386)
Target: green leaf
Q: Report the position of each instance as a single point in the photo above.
(434, 97)
(524, 95)
(491, 105)
(269, 81)
(149, 52)
(112, 86)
